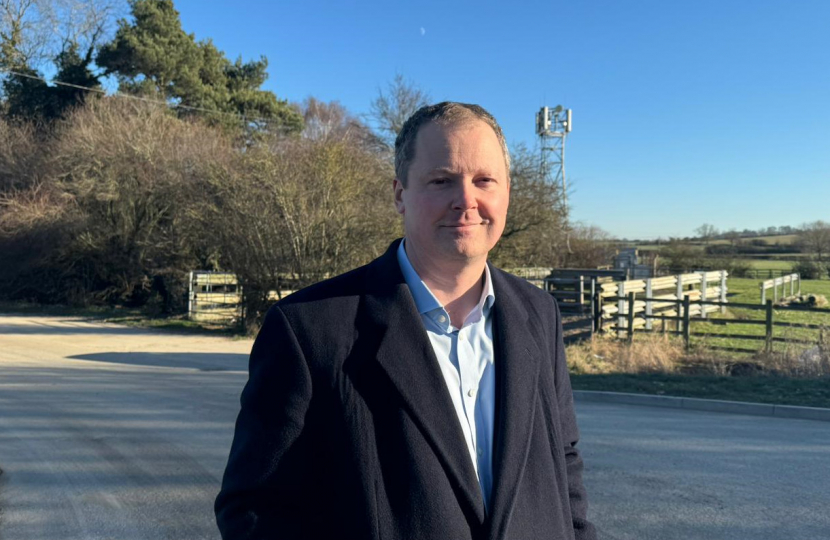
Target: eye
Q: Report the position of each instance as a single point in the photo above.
(439, 181)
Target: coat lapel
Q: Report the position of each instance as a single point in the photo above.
(405, 354)
(517, 369)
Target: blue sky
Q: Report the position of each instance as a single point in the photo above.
(684, 112)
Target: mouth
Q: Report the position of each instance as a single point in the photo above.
(468, 225)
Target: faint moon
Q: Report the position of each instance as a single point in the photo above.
(423, 30)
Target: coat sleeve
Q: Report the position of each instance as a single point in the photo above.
(266, 461)
(583, 529)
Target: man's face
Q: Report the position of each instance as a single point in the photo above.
(455, 204)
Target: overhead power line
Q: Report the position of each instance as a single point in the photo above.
(137, 98)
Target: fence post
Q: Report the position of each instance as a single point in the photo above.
(620, 307)
(581, 291)
(649, 309)
(630, 317)
(597, 303)
(722, 291)
(190, 296)
(679, 279)
(686, 320)
(768, 344)
(763, 294)
(703, 286)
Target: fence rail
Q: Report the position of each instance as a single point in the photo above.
(214, 297)
(685, 319)
(761, 273)
(782, 282)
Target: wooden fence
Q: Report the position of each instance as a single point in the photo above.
(782, 282)
(658, 297)
(575, 288)
(685, 318)
(602, 304)
(214, 297)
(761, 273)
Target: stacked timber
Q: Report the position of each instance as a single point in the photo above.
(657, 299)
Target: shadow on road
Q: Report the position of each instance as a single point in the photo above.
(191, 360)
(70, 327)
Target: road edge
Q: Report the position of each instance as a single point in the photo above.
(710, 405)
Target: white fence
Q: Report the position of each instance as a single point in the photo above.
(782, 282)
(214, 297)
(705, 286)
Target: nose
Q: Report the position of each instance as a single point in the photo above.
(465, 197)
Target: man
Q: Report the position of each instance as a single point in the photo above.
(424, 395)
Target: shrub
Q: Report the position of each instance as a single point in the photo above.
(739, 268)
(809, 269)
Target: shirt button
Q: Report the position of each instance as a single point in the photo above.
(442, 319)
(470, 392)
(461, 336)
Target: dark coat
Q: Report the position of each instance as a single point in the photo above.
(347, 429)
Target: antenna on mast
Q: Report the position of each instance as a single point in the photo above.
(552, 127)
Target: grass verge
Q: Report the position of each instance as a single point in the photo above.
(754, 389)
(660, 365)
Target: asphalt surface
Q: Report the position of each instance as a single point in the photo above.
(119, 433)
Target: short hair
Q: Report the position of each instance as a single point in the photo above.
(444, 113)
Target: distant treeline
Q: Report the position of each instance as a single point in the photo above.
(755, 247)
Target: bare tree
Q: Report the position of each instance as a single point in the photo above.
(295, 211)
(590, 247)
(706, 232)
(130, 172)
(24, 33)
(815, 238)
(21, 155)
(535, 233)
(33, 31)
(331, 121)
(391, 108)
(734, 237)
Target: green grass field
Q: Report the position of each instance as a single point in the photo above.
(767, 264)
(747, 291)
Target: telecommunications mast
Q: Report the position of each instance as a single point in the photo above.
(552, 127)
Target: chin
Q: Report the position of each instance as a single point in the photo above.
(466, 249)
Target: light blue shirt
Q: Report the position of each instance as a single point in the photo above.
(465, 356)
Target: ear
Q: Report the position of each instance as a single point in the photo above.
(397, 186)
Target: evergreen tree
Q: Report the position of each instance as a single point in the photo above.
(153, 55)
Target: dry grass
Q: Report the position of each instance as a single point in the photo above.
(658, 353)
(796, 361)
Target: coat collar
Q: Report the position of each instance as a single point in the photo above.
(406, 356)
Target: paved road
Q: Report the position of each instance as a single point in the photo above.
(664, 474)
(114, 432)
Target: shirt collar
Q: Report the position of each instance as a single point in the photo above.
(426, 302)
